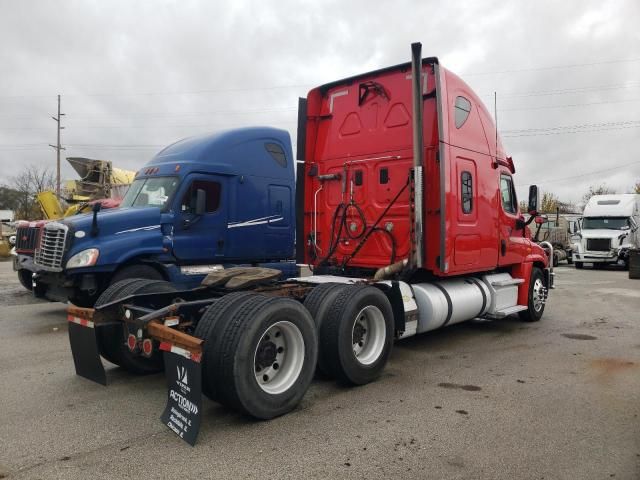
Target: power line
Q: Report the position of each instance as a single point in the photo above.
(564, 91)
(291, 86)
(570, 105)
(617, 167)
(580, 125)
(553, 67)
(291, 122)
(194, 92)
(562, 132)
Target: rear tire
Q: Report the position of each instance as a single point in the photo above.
(318, 302)
(111, 294)
(112, 338)
(556, 259)
(579, 265)
(356, 337)
(224, 308)
(267, 356)
(536, 297)
(136, 271)
(569, 258)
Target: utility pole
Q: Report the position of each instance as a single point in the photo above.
(58, 147)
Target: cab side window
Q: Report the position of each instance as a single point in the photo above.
(466, 185)
(212, 191)
(508, 194)
(462, 110)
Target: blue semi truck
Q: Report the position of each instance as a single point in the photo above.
(217, 199)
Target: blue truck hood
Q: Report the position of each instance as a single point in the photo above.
(121, 233)
(116, 221)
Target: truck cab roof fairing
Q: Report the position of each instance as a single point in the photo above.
(230, 153)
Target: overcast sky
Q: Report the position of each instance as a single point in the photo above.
(137, 75)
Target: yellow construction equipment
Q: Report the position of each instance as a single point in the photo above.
(98, 180)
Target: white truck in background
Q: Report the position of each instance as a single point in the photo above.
(609, 230)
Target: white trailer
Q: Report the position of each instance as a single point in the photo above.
(609, 230)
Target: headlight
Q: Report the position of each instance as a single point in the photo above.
(85, 258)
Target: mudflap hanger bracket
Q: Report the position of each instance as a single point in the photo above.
(182, 359)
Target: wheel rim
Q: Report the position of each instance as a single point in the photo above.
(538, 295)
(279, 357)
(368, 335)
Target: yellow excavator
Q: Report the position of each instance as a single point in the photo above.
(98, 180)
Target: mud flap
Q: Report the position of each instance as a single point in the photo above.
(184, 392)
(84, 348)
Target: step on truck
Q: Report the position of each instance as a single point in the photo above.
(215, 199)
(407, 217)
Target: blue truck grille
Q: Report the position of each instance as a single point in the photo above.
(50, 253)
(598, 244)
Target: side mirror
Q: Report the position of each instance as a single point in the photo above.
(534, 200)
(201, 201)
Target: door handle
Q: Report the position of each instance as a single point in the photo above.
(503, 247)
(220, 243)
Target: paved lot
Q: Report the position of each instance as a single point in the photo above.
(559, 399)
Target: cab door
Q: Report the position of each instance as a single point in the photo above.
(513, 244)
(201, 238)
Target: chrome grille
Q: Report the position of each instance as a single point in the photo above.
(27, 238)
(598, 244)
(50, 252)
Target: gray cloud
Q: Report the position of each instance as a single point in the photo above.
(140, 75)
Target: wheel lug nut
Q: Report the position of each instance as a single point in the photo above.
(276, 366)
(280, 349)
(265, 378)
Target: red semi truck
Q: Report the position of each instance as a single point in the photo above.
(408, 218)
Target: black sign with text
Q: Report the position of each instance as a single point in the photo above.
(184, 397)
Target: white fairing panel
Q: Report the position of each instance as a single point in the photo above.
(504, 291)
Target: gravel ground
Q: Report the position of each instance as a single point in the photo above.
(559, 399)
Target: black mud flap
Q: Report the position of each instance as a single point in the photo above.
(184, 396)
(84, 348)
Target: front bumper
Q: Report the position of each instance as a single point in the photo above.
(611, 257)
(23, 262)
(596, 257)
(59, 287)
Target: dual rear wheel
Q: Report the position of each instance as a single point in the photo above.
(260, 353)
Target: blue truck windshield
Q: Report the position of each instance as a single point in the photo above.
(610, 223)
(150, 192)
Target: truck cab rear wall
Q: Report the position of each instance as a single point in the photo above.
(358, 156)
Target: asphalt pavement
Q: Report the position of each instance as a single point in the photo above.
(557, 399)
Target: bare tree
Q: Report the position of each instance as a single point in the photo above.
(636, 187)
(28, 184)
(599, 190)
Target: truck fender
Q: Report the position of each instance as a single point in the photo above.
(393, 294)
(142, 261)
(523, 271)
